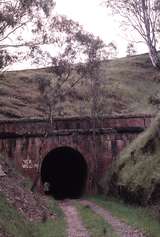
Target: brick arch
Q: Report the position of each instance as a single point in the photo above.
(90, 186)
(74, 146)
(65, 170)
(28, 141)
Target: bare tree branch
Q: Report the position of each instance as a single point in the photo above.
(12, 31)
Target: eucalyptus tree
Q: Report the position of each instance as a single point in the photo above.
(96, 51)
(15, 17)
(130, 51)
(144, 17)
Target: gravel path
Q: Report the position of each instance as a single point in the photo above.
(121, 228)
(75, 226)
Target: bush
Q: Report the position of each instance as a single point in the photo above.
(136, 173)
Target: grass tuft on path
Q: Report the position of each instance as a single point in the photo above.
(135, 216)
(95, 224)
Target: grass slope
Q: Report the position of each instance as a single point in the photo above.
(127, 86)
(12, 224)
(24, 213)
(136, 174)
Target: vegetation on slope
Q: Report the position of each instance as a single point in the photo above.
(24, 213)
(136, 174)
(139, 217)
(13, 224)
(127, 86)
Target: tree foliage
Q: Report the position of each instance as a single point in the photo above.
(111, 50)
(144, 17)
(63, 35)
(43, 27)
(15, 16)
(96, 51)
(64, 67)
(130, 51)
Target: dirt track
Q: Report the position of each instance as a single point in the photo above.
(75, 226)
(77, 229)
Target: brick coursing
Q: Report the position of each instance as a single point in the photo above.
(25, 141)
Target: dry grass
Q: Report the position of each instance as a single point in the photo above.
(127, 85)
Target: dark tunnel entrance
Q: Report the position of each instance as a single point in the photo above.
(64, 171)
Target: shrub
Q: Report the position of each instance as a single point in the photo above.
(136, 173)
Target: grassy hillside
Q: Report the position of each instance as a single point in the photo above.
(24, 213)
(136, 174)
(127, 87)
(13, 224)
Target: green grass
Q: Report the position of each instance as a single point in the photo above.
(137, 169)
(95, 224)
(12, 222)
(138, 217)
(15, 224)
(52, 228)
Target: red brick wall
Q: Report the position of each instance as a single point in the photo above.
(24, 142)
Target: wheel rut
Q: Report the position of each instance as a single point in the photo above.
(74, 222)
(121, 229)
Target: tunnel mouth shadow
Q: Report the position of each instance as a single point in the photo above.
(64, 173)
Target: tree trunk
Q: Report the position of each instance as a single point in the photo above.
(50, 114)
(150, 28)
(155, 59)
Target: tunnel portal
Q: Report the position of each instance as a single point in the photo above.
(64, 170)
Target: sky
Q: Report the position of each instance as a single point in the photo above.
(94, 17)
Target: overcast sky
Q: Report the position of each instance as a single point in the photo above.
(94, 17)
